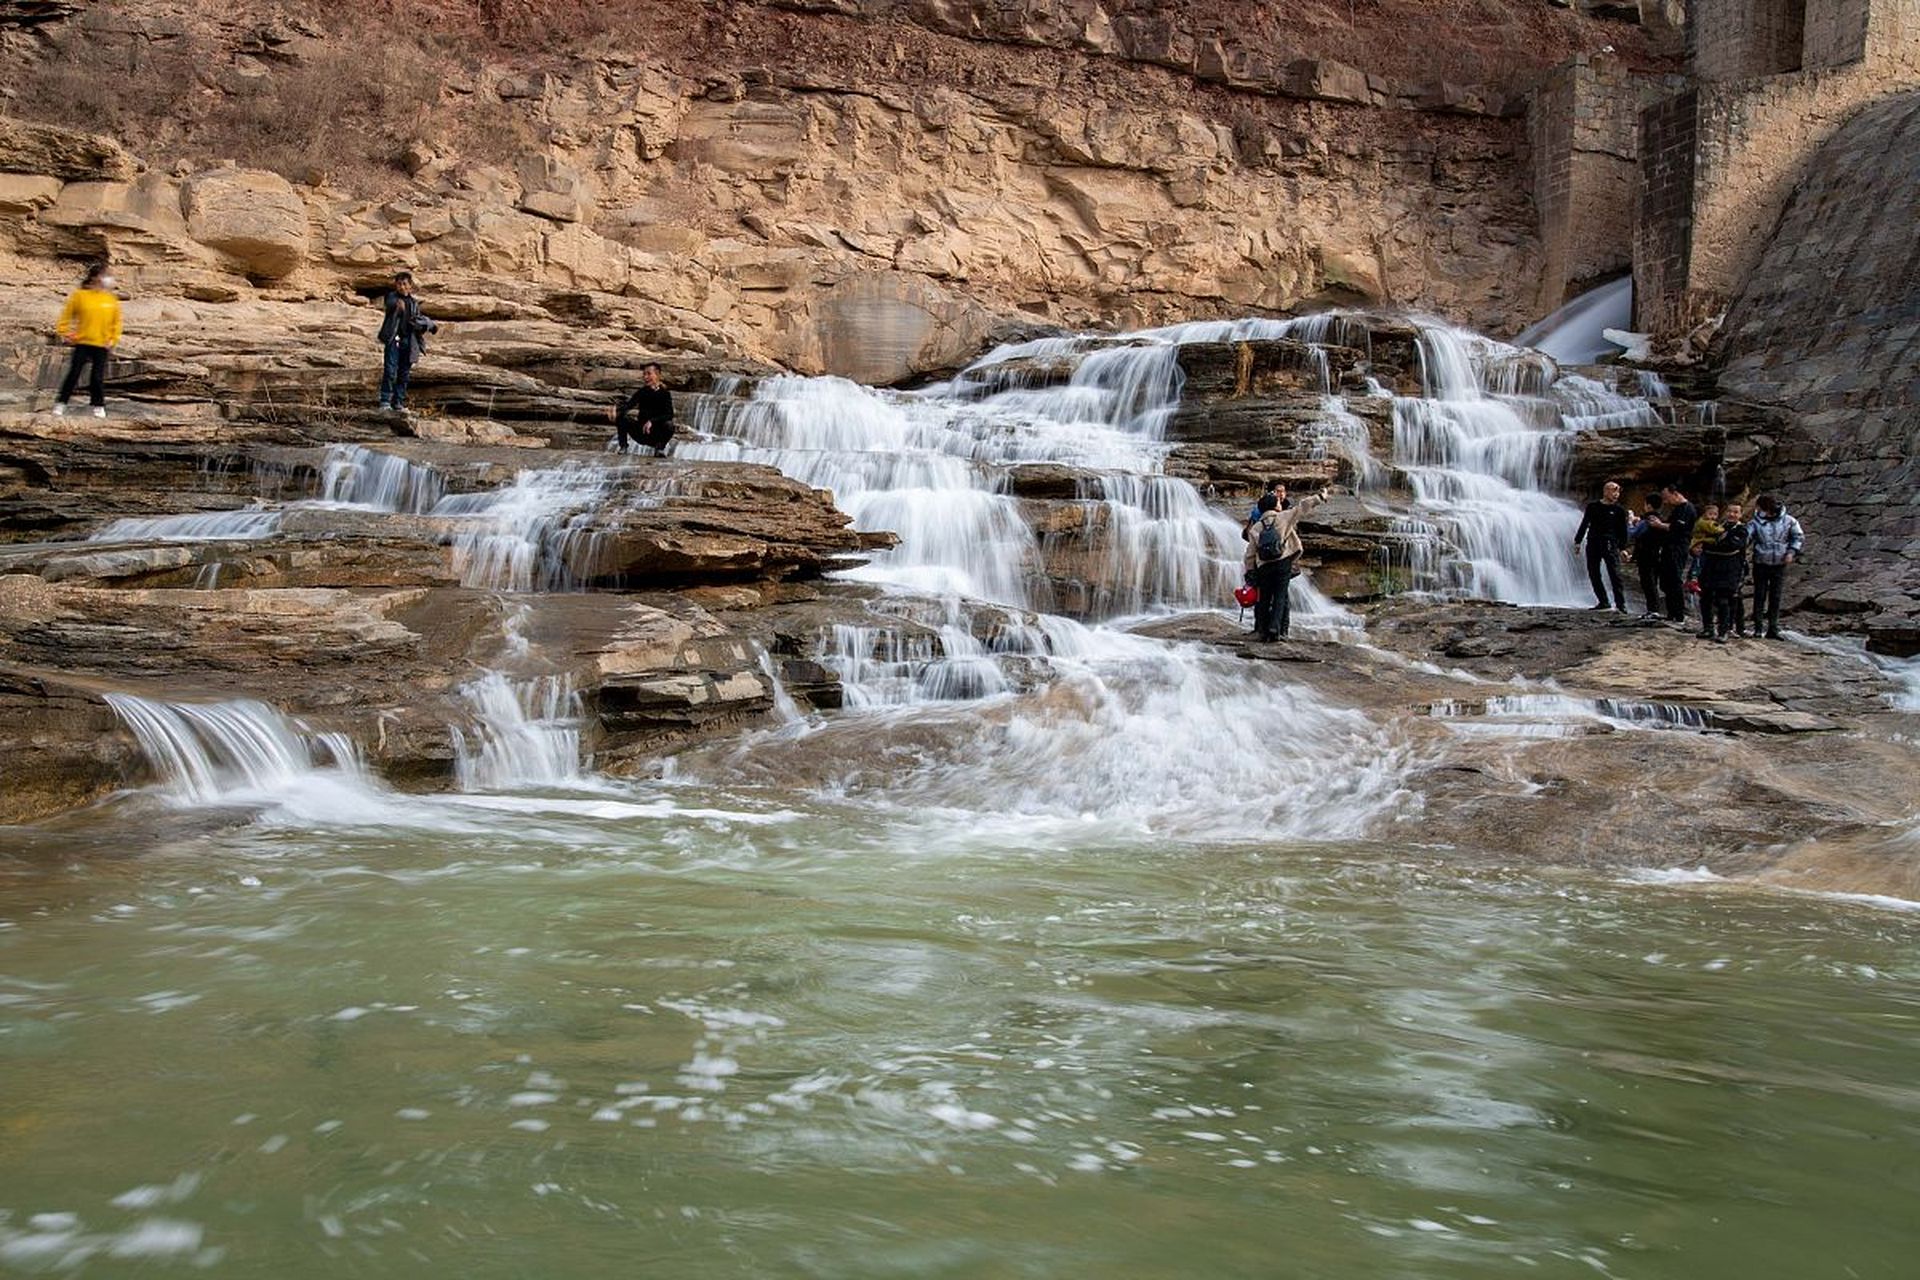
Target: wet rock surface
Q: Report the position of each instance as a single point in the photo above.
(1578, 739)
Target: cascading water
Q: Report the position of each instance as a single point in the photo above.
(206, 526)
(526, 733)
(208, 752)
(355, 476)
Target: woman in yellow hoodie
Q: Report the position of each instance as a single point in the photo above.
(91, 323)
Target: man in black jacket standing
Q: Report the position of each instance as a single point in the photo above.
(1675, 525)
(403, 339)
(1604, 529)
(650, 411)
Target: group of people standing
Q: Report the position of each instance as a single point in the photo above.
(90, 323)
(1681, 550)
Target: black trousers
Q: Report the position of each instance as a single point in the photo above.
(1599, 553)
(1768, 579)
(1273, 611)
(1720, 609)
(1672, 569)
(654, 435)
(1649, 567)
(82, 357)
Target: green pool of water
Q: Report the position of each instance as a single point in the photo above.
(688, 1034)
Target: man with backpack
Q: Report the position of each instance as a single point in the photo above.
(1777, 540)
(1273, 545)
(403, 340)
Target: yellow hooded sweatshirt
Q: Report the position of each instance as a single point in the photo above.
(91, 318)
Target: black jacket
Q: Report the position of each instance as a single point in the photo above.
(1723, 561)
(1678, 539)
(403, 317)
(648, 404)
(1607, 522)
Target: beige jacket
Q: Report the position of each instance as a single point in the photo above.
(1288, 523)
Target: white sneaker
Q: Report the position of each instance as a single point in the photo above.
(60, 411)
(99, 413)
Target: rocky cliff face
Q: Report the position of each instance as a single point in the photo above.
(1826, 338)
(865, 188)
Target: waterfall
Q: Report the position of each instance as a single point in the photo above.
(200, 526)
(1483, 469)
(1575, 334)
(214, 751)
(355, 476)
(522, 536)
(526, 733)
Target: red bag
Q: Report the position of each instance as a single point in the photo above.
(1245, 596)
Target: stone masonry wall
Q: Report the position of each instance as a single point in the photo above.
(1583, 130)
(1663, 207)
(1826, 334)
(1836, 32)
(1740, 39)
(1754, 137)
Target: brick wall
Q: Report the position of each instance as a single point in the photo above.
(1663, 211)
(1740, 39)
(1584, 127)
(1752, 139)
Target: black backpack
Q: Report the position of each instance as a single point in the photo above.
(1269, 547)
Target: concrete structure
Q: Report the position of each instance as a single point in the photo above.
(1774, 80)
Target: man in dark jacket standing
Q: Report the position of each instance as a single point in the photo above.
(403, 339)
(650, 411)
(1675, 526)
(1604, 529)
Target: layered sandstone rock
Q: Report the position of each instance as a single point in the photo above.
(874, 189)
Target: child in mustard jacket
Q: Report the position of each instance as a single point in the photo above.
(91, 323)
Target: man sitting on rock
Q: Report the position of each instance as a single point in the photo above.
(650, 411)
(1777, 540)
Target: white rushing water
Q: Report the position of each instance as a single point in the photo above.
(1576, 333)
(526, 733)
(213, 752)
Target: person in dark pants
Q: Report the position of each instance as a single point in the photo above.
(1675, 526)
(1273, 546)
(1777, 540)
(649, 410)
(90, 323)
(1604, 529)
(1722, 564)
(403, 340)
(1646, 550)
